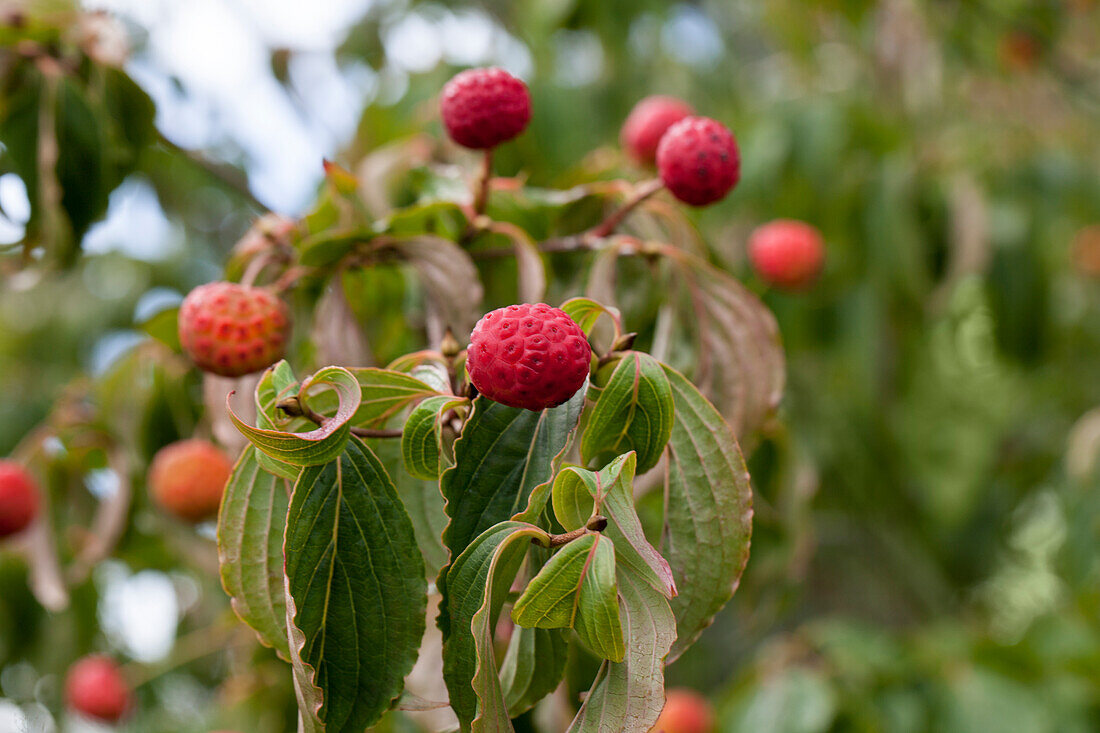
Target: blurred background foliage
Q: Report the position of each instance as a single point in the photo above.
(925, 553)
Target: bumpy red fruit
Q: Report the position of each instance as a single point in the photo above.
(529, 356)
(232, 329)
(648, 122)
(18, 498)
(187, 479)
(685, 711)
(698, 160)
(787, 253)
(96, 688)
(483, 108)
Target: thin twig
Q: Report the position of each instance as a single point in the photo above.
(641, 192)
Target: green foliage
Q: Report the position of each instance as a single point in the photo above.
(919, 441)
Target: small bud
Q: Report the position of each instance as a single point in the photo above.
(449, 347)
(597, 523)
(291, 406)
(624, 342)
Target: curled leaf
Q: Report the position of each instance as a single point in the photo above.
(318, 446)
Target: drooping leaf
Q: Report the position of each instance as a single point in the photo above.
(318, 446)
(739, 359)
(550, 599)
(578, 494)
(477, 586)
(358, 588)
(576, 589)
(533, 667)
(597, 622)
(709, 515)
(741, 365)
(336, 332)
(530, 269)
(503, 454)
(250, 549)
(421, 438)
(633, 412)
(627, 696)
(448, 275)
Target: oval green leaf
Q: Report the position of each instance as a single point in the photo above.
(634, 411)
(250, 549)
(709, 517)
(358, 589)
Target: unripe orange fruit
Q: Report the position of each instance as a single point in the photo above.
(685, 711)
(187, 479)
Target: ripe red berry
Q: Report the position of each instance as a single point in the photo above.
(187, 478)
(685, 711)
(18, 498)
(529, 356)
(232, 329)
(698, 160)
(787, 253)
(647, 123)
(95, 687)
(483, 108)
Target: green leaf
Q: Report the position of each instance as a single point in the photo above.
(533, 667)
(709, 515)
(422, 437)
(740, 363)
(81, 167)
(597, 623)
(164, 327)
(385, 393)
(504, 453)
(550, 599)
(250, 549)
(632, 412)
(318, 446)
(578, 494)
(576, 589)
(627, 696)
(586, 312)
(327, 246)
(478, 584)
(276, 384)
(423, 501)
(358, 589)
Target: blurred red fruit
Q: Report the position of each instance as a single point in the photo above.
(786, 253)
(95, 687)
(18, 498)
(483, 108)
(648, 122)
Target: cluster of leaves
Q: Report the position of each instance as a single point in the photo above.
(328, 533)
